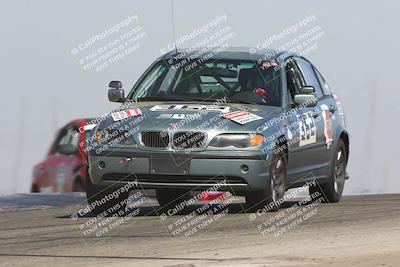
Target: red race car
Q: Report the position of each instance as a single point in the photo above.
(64, 168)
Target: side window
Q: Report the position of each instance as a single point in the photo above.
(294, 79)
(309, 76)
(62, 139)
(74, 137)
(325, 87)
(66, 137)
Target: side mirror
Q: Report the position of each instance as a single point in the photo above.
(116, 95)
(305, 100)
(307, 90)
(68, 149)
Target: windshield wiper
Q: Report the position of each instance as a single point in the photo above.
(159, 98)
(180, 98)
(200, 99)
(243, 102)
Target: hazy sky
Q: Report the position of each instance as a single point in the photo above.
(44, 85)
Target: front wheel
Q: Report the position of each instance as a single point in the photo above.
(332, 190)
(272, 196)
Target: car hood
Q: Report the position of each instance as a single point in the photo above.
(190, 116)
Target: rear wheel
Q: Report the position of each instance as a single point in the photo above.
(106, 201)
(332, 190)
(272, 196)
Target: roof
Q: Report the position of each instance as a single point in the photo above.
(231, 53)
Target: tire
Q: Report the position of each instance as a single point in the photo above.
(35, 189)
(78, 186)
(97, 195)
(169, 198)
(332, 190)
(272, 195)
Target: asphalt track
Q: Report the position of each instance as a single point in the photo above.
(37, 230)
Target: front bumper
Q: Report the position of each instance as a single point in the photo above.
(194, 171)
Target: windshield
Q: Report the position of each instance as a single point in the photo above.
(238, 81)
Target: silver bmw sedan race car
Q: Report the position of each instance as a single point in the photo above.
(253, 124)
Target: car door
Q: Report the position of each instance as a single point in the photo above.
(61, 166)
(331, 114)
(45, 176)
(322, 116)
(305, 126)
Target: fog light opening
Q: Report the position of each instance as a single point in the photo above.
(244, 168)
(102, 164)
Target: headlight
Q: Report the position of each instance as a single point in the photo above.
(237, 140)
(114, 137)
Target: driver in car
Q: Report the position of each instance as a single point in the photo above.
(260, 80)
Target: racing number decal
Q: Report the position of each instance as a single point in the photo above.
(307, 129)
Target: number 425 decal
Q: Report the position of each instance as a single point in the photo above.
(307, 129)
